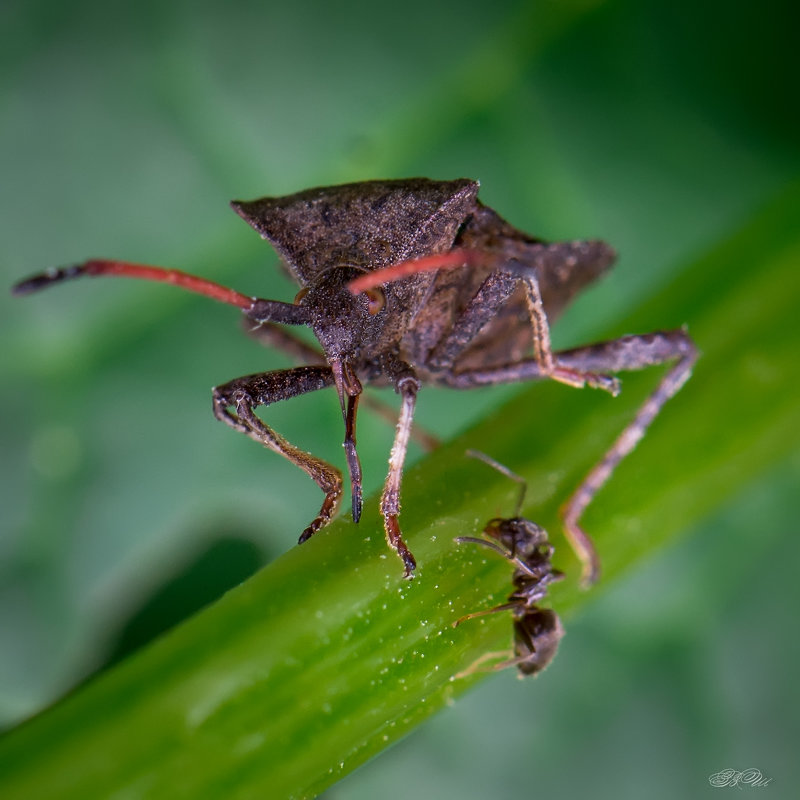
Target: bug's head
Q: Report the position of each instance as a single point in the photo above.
(349, 327)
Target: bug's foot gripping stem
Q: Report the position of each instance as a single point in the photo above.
(583, 547)
(395, 538)
(326, 513)
(578, 379)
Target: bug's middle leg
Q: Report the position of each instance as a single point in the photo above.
(576, 376)
(246, 394)
(493, 293)
(276, 336)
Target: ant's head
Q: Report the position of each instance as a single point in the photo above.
(520, 536)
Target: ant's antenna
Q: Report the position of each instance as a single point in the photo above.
(523, 484)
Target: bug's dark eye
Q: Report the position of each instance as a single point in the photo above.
(300, 295)
(376, 300)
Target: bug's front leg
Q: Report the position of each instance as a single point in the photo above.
(246, 394)
(407, 385)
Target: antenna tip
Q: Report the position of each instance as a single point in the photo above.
(43, 279)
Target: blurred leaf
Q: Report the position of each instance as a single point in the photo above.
(126, 128)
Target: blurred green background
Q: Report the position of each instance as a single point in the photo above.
(126, 128)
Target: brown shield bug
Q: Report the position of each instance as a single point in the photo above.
(537, 631)
(405, 282)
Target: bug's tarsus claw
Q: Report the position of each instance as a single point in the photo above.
(395, 538)
(581, 543)
(328, 509)
(318, 524)
(591, 571)
(357, 504)
(306, 534)
(589, 579)
(608, 383)
(580, 378)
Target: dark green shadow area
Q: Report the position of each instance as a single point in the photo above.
(223, 565)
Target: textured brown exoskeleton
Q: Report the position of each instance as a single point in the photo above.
(537, 631)
(480, 318)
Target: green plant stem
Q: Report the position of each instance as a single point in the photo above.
(327, 656)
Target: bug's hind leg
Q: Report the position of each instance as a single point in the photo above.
(629, 353)
(618, 355)
(246, 394)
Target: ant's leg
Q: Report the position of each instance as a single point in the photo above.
(507, 555)
(626, 353)
(503, 470)
(246, 394)
(537, 634)
(478, 664)
(486, 611)
(407, 386)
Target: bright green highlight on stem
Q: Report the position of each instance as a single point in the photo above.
(327, 656)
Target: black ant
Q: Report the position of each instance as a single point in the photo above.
(537, 631)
